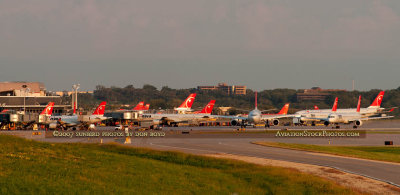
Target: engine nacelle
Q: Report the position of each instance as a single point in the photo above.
(275, 122)
(358, 123)
(326, 123)
(157, 122)
(53, 125)
(234, 122)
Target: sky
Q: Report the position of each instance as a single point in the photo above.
(185, 43)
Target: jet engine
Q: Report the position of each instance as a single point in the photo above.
(326, 123)
(157, 122)
(275, 122)
(53, 125)
(234, 122)
(358, 123)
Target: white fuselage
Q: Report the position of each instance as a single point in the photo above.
(343, 117)
(177, 118)
(310, 115)
(255, 116)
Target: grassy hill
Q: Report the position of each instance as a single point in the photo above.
(30, 167)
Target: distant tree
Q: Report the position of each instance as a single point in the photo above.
(149, 87)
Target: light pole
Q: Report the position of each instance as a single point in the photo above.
(75, 87)
(25, 91)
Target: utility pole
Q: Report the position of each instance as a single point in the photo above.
(353, 85)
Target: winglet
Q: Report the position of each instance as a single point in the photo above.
(316, 107)
(284, 109)
(48, 110)
(208, 108)
(359, 104)
(378, 100)
(100, 109)
(335, 104)
(189, 101)
(139, 106)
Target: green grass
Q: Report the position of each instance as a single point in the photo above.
(382, 153)
(30, 167)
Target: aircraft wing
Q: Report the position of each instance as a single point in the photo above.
(386, 110)
(229, 117)
(373, 118)
(268, 110)
(267, 117)
(314, 118)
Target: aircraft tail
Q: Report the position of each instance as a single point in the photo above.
(255, 100)
(100, 109)
(147, 107)
(48, 110)
(284, 109)
(378, 100)
(4, 111)
(139, 106)
(189, 101)
(208, 108)
(316, 107)
(359, 104)
(335, 104)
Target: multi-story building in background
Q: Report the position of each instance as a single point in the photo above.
(31, 96)
(234, 89)
(316, 94)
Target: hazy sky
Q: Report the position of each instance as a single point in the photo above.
(185, 43)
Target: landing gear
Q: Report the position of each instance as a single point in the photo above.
(267, 124)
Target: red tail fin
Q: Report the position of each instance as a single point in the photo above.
(147, 107)
(5, 110)
(255, 100)
(189, 101)
(359, 104)
(284, 109)
(139, 106)
(334, 108)
(208, 108)
(378, 100)
(316, 107)
(48, 110)
(100, 109)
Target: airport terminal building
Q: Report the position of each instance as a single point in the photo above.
(15, 96)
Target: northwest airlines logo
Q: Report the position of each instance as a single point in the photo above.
(208, 108)
(188, 102)
(100, 108)
(379, 99)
